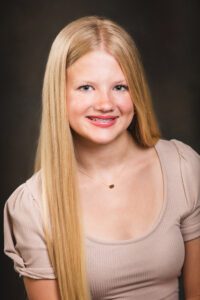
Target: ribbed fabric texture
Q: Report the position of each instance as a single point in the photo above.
(144, 268)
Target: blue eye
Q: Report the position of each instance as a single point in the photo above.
(121, 87)
(85, 87)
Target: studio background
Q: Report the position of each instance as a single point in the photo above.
(167, 36)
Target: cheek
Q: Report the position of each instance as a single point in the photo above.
(73, 105)
(71, 108)
(77, 103)
(76, 108)
(126, 106)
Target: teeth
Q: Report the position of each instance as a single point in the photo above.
(101, 120)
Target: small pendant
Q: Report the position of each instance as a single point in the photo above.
(111, 186)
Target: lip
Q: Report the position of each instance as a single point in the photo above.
(103, 117)
(100, 124)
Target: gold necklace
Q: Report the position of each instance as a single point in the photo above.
(110, 186)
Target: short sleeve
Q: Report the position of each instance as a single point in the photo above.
(190, 171)
(24, 239)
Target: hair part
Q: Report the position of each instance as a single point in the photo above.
(55, 155)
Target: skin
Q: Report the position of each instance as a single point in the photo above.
(41, 289)
(97, 86)
(191, 270)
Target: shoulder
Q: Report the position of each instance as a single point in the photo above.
(184, 149)
(25, 197)
(185, 152)
(24, 238)
(34, 186)
(189, 164)
(189, 161)
(190, 170)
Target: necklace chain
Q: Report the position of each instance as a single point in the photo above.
(110, 186)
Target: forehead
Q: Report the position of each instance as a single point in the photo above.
(95, 63)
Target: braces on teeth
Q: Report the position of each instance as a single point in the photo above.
(101, 120)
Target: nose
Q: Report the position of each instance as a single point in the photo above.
(104, 102)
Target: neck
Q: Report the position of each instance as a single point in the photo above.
(105, 159)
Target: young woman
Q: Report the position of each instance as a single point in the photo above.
(113, 210)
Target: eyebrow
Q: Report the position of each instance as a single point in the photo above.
(93, 82)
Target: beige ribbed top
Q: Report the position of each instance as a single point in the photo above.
(144, 268)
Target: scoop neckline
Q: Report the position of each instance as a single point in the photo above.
(159, 217)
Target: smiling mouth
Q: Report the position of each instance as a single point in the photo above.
(102, 118)
(102, 121)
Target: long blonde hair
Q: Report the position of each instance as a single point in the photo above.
(55, 155)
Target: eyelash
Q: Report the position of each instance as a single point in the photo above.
(123, 87)
(83, 87)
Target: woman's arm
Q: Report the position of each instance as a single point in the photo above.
(45, 289)
(191, 270)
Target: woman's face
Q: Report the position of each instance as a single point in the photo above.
(98, 102)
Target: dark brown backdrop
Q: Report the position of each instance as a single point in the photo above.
(167, 35)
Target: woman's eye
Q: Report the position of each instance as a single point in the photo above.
(85, 87)
(121, 87)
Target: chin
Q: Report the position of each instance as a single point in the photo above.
(96, 141)
(97, 138)
(102, 140)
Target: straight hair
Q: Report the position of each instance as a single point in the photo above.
(55, 156)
